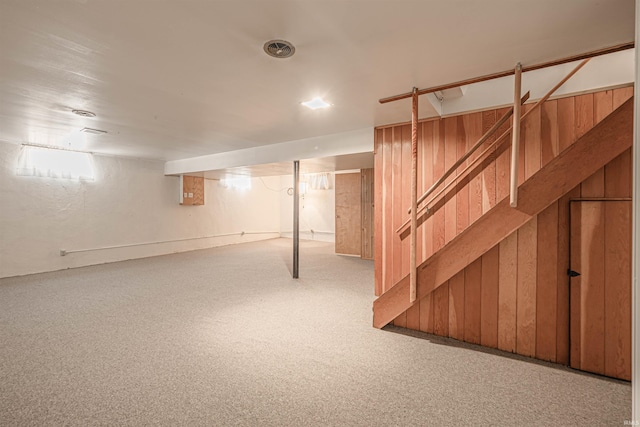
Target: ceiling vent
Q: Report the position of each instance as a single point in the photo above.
(93, 131)
(279, 48)
(84, 113)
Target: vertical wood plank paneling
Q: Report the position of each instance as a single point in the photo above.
(547, 284)
(617, 357)
(426, 313)
(377, 216)
(439, 226)
(396, 204)
(489, 173)
(489, 298)
(462, 196)
(441, 310)
(419, 179)
(523, 145)
(566, 123)
(472, 301)
(401, 320)
(594, 185)
(620, 95)
(425, 231)
(583, 114)
(367, 206)
(526, 293)
(575, 286)
(473, 126)
(516, 296)
(413, 317)
(507, 293)
(428, 161)
(618, 176)
(503, 162)
(584, 120)
(450, 153)
(406, 194)
(618, 181)
(456, 306)
(532, 149)
(388, 235)
(592, 287)
(602, 105)
(548, 131)
(562, 316)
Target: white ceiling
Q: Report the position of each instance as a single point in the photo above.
(176, 79)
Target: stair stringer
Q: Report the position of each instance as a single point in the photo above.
(604, 142)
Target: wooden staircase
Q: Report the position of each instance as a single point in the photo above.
(604, 142)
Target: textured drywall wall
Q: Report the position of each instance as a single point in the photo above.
(130, 202)
(317, 212)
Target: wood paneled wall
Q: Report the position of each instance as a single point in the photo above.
(366, 199)
(515, 297)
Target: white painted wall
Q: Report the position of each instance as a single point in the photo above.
(130, 202)
(317, 212)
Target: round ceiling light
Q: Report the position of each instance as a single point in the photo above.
(279, 48)
(83, 113)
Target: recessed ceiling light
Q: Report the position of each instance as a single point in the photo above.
(316, 103)
(83, 113)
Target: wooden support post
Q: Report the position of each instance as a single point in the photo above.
(414, 195)
(515, 144)
(296, 217)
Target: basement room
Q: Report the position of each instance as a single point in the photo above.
(327, 213)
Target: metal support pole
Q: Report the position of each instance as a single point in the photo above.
(515, 144)
(414, 196)
(296, 217)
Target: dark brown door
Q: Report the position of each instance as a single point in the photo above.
(601, 287)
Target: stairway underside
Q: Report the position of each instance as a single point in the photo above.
(604, 142)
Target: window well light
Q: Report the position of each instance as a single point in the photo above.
(55, 163)
(316, 103)
(241, 183)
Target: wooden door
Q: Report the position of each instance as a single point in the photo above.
(348, 214)
(600, 296)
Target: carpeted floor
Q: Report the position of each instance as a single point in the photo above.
(224, 336)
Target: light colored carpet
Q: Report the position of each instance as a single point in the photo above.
(224, 336)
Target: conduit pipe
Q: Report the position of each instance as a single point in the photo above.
(65, 252)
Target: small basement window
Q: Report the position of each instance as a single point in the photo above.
(55, 163)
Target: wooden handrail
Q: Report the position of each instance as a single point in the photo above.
(472, 150)
(493, 145)
(566, 60)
